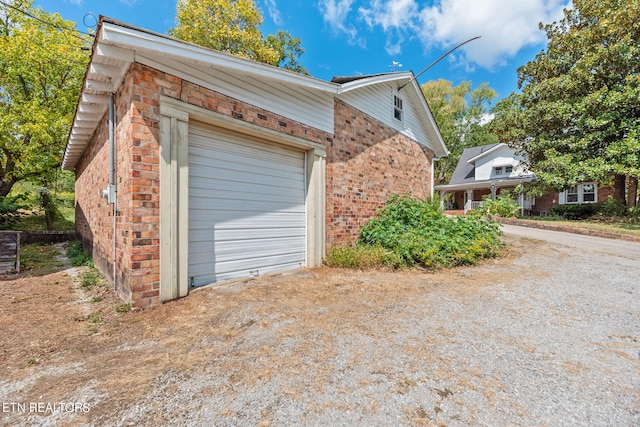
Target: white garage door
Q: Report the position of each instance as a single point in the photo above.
(247, 211)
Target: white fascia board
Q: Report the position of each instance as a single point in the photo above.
(432, 126)
(499, 183)
(373, 80)
(136, 39)
(481, 155)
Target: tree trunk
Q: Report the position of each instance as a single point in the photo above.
(632, 192)
(619, 188)
(5, 187)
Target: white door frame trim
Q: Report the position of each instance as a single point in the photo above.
(174, 188)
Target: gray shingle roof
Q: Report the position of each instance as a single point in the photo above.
(465, 172)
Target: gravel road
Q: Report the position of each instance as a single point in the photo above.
(551, 337)
(548, 336)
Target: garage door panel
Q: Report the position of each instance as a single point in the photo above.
(282, 198)
(206, 234)
(246, 249)
(247, 208)
(240, 146)
(251, 177)
(213, 185)
(216, 220)
(227, 161)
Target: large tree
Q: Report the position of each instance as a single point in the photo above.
(232, 26)
(41, 69)
(579, 111)
(461, 114)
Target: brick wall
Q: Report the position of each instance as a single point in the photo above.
(138, 181)
(547, 201)
(366, 163)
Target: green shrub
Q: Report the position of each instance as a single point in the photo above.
(76, 254)
(362, 256)
(420, 234)
(612, 207)
(504, 206)
(575, 212)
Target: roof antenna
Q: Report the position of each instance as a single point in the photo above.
(395, 65)
(437, 60)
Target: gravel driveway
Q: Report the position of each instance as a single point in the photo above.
(548, 336)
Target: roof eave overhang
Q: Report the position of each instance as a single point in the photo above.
(115, 48)
(498, 183)
(483, 154)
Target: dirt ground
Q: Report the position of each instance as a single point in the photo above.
(69, 357)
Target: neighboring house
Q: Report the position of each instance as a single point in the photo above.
(193, 166)
(491, 169)
(486, 170)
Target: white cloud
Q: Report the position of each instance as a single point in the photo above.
(274, 12)
(506, 26)
(396, 17)
(335, 14)
(130, 3)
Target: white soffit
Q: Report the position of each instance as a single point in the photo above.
(104, 74)
(115, 48)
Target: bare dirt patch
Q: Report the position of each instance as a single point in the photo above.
(310, 346)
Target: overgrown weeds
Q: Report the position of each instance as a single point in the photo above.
(77, 255)
(409, 231)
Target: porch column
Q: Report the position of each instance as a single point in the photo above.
(468, 205)
(493, 190)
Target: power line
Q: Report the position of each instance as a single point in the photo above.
(438, 60)
(47, 23)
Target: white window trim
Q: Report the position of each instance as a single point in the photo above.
(580, 187)
(397, 96)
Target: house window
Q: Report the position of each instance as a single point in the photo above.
(572, 194)
(588, 193)
(498, 171)
(581, 193)
(397, 108)
(508, 169)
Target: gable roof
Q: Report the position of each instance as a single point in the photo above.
(464, 175)
(465, 169)
(117, 45)
(485, 150)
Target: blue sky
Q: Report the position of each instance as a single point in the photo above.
(354, 37)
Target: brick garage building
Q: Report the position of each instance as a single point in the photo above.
(194, 167)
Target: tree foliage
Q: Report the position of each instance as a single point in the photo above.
(41, 70)
(232, 26)
(460, 114)
(579, 111)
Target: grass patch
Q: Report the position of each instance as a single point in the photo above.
(35, 221)
(610, 225)
(39, 256)
(123, 308)
(91, 278)
(362, 257)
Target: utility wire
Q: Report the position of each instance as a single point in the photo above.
(47, 23)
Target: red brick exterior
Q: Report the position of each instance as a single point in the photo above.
(366, 162)
(546, 202)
